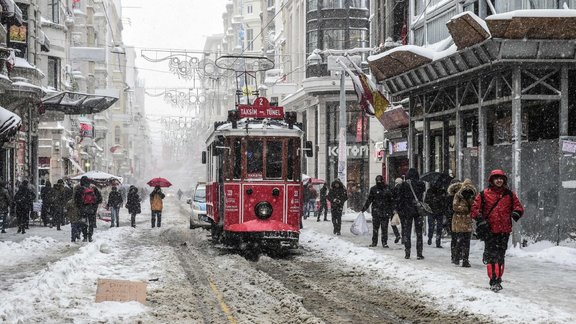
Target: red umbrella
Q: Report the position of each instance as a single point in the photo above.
(159, 182)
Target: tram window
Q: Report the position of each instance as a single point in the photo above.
(236, 151)
(273, 159)
(290, 164)
(254, 157)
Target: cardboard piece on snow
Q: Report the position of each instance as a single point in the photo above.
(120, 291)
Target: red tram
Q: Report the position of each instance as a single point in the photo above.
(254, 192)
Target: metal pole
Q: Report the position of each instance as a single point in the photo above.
(342, 154)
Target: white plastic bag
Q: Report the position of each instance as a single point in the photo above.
(395, 220)
(359, 226)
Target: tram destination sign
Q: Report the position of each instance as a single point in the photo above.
(260, 109)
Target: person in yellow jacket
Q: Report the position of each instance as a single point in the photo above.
(156, 206)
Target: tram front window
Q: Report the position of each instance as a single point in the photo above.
(273, 160)
(254, 156)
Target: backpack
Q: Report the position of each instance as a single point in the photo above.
(88, 196)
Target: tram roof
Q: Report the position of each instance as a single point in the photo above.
(256, 127)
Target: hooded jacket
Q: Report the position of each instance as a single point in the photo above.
(337, 196)
(464, 193)
(500, 217)
(133, 201)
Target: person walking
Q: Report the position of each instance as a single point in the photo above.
(449, 213)
(464, 194)
(5, 204)
(435, 197)
(498, 206)
(46, 196)
(337, 197)
(114, 203)
(383, 202)
(323, 203)
(87, 198)
(397, 233)
(23, 202)
(410, 192)
(156, 206)
(77, 223)
(59, 200)
(133, 204)
(312, 195)
(306, 193)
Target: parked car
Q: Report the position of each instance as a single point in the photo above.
(197, 204)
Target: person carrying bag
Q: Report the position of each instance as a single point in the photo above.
(408, 193)
(359, 226)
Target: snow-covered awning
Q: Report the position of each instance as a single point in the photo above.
(11, 13)
(73, 103)
(534, 24)
(9, 123)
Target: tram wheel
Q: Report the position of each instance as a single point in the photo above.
(216, 232)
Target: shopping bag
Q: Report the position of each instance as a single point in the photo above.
(395, 220)
(37, 206)
(359, 226)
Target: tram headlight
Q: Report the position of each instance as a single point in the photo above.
(263, 210)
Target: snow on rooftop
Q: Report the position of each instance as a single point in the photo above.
(543, 13)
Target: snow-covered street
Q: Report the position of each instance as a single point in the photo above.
(47, 279)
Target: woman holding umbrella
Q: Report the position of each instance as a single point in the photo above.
(156, 206)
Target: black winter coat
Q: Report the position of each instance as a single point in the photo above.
(337, 196)
(406, 202)
(23, 199)
(436, 199)
(115, 199)
(382, 199)
(133, 201)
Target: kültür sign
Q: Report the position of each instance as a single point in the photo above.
(260, 109)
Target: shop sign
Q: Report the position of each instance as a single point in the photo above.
(569, 146)
(261, 109)
(398, 147)
(351, 150)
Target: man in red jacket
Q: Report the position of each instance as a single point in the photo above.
(498, 205)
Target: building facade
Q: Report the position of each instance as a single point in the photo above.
(498, 98)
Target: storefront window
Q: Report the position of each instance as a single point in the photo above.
(357, 148)
(311, 41)
(312, 5)
(333, 4)
(333, 39)
(358, 38)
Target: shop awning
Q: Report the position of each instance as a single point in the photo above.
(73, 103)
(9, 123)
(77, 166)
(44, 42)
(11, 13)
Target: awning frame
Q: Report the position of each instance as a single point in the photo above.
(75, 103)
(76, 165)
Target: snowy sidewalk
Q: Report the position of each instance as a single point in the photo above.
(539, 281)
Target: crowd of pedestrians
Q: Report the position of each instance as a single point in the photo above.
(455, 207)
(79, 205)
